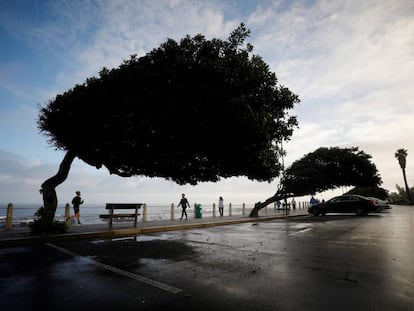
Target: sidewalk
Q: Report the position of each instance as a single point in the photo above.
(19, 236)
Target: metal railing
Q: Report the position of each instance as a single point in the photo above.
(149, 212)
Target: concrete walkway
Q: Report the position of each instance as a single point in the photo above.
(19, 236)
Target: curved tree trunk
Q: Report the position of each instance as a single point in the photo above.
(407, 189)
(259, 205)
(49, 193)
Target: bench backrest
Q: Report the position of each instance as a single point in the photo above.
(123, 205)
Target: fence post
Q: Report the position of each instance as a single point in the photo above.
(144, 212)
(244, 209)
(9, 218)
(214, 209)
(172, 211)
(229, 209)
(194, 211)
(67, 211)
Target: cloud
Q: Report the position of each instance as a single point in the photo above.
(129, 27)
(351, 63)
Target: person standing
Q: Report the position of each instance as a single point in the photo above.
(77, 201)
(293, 204)
(221, 206)
(277, 205)
(184, 204)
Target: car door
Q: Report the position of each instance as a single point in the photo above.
(351, 204)
(343, 205)
(337, 205)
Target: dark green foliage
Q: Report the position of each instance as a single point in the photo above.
(401, 196)
(329, 168)
(191, 111)
(325, 169)
(376, 192)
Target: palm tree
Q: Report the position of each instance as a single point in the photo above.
(401, 155)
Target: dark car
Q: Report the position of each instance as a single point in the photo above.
(344, 204)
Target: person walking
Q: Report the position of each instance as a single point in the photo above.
(184, 204)
(77, 201)
(221, 205)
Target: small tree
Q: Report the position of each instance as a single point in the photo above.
(401, 156)
(192, 111)
(324, 169)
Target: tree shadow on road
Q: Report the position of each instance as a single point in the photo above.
(129, 252)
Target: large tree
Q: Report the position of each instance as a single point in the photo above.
(192, 111)
(401, 156)
(324, 169)
(375, 191)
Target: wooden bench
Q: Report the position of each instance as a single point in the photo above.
(111, 207)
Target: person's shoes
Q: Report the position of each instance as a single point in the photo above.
(79, 223)
(181, 218)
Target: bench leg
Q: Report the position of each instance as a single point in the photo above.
(111, 215)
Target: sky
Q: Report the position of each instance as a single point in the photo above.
(351, 63)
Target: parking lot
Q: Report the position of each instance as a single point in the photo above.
(340, 262)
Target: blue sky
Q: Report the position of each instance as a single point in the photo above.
(350, 62)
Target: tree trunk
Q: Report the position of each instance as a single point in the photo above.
(50, 200)
(407, 189)
(259, 205)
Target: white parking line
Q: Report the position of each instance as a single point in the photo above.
(139, 278)
(300, 231)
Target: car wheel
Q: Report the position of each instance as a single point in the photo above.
(360, 212)
(315, 212)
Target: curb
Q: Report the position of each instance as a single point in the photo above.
(132, 232)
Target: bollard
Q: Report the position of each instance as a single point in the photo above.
(229, 209)
(67, 211)
(144, 212)
(244, 209)
(214, 209)
(9, 218)
(172, 211)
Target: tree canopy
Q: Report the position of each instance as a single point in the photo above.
(191, 112)
(376, 192)
(329, 168)
(325, 169)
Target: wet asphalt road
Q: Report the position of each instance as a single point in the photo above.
(334, 262)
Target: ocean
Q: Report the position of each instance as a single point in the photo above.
(23, 214)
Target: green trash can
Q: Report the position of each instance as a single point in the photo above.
(198, 213)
